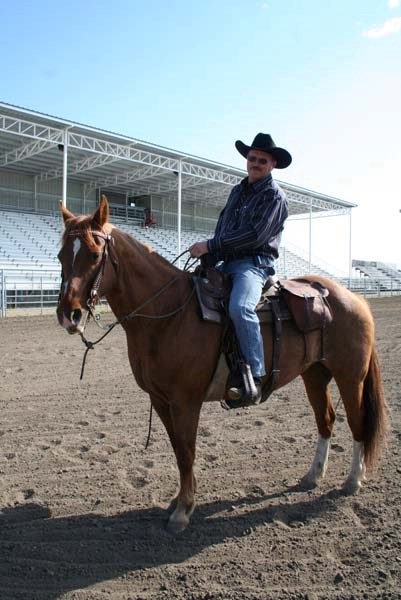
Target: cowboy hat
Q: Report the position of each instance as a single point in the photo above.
(264, 141)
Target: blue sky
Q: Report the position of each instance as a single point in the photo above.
(322, 77)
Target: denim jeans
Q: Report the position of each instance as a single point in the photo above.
(248, 275)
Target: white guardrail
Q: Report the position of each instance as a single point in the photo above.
(28, 290)
(35, 292)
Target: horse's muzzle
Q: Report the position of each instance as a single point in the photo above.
(74, 322)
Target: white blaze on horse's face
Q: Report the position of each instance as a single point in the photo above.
(76, 246)
(73, 322)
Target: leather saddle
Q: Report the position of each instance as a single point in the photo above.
(302, 301)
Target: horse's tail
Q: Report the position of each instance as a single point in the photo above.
(376, 415)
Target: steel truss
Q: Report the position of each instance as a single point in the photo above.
(24, 128)
(103, 152)
(51, 148)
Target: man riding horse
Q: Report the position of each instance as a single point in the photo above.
(247, 240)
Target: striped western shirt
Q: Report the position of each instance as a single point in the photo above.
(252, 221)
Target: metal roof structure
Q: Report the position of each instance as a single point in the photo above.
(36, 144)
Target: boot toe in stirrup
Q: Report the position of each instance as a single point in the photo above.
(237, 397)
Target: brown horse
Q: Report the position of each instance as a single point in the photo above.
(174, 358)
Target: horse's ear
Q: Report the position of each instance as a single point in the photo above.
(101, 216)
(66, 214)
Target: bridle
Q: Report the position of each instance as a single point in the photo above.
(93, 297)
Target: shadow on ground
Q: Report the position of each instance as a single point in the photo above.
(51, 556)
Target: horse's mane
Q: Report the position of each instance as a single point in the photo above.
(83, 225)
(144, 249)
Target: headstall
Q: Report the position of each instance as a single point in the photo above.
(93, 298)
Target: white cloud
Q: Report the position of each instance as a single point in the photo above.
(393, 3)
(388, 28)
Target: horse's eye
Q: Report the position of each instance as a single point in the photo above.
(95, 256)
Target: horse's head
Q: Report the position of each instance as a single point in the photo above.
(83, 257)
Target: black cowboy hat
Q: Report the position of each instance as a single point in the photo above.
(264, 141)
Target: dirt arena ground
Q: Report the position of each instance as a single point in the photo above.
(82, 501)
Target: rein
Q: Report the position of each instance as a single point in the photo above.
(135, 313)
(94, 298)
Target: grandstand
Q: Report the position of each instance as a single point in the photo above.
(30, 269)
(388, 275)
(44, 158)
(30, 242)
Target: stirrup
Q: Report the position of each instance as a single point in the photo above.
(247, 394)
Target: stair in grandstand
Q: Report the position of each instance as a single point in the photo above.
(388, 275)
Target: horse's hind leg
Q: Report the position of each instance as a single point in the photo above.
(351, 394)
(316, 380)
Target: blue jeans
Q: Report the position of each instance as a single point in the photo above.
(248, 276)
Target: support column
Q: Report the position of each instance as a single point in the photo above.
(35, 193)
(350, 249)
(65, 157)
(3, 295)
(310, 234)
(179, 212)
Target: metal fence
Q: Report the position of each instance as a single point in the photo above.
(36, 292)
(366, 286)
(33, 291)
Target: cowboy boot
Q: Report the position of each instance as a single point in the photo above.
(249, 392)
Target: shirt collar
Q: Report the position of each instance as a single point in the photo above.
(259, 185)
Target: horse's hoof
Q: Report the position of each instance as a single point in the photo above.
(351, 487)
(175, 526)
(308, 483)
(172, 506)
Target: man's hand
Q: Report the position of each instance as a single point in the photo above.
(198, 249)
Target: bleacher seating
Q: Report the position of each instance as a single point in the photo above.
(164, 241)
(378, 270)
(30, 243)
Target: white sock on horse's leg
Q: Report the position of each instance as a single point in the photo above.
(357, 474)
(319, 464)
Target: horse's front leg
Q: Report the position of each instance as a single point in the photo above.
(185, 419)
(181, 422)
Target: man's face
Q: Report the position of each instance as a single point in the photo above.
(259, 164)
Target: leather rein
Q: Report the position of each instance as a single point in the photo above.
(93, 298)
